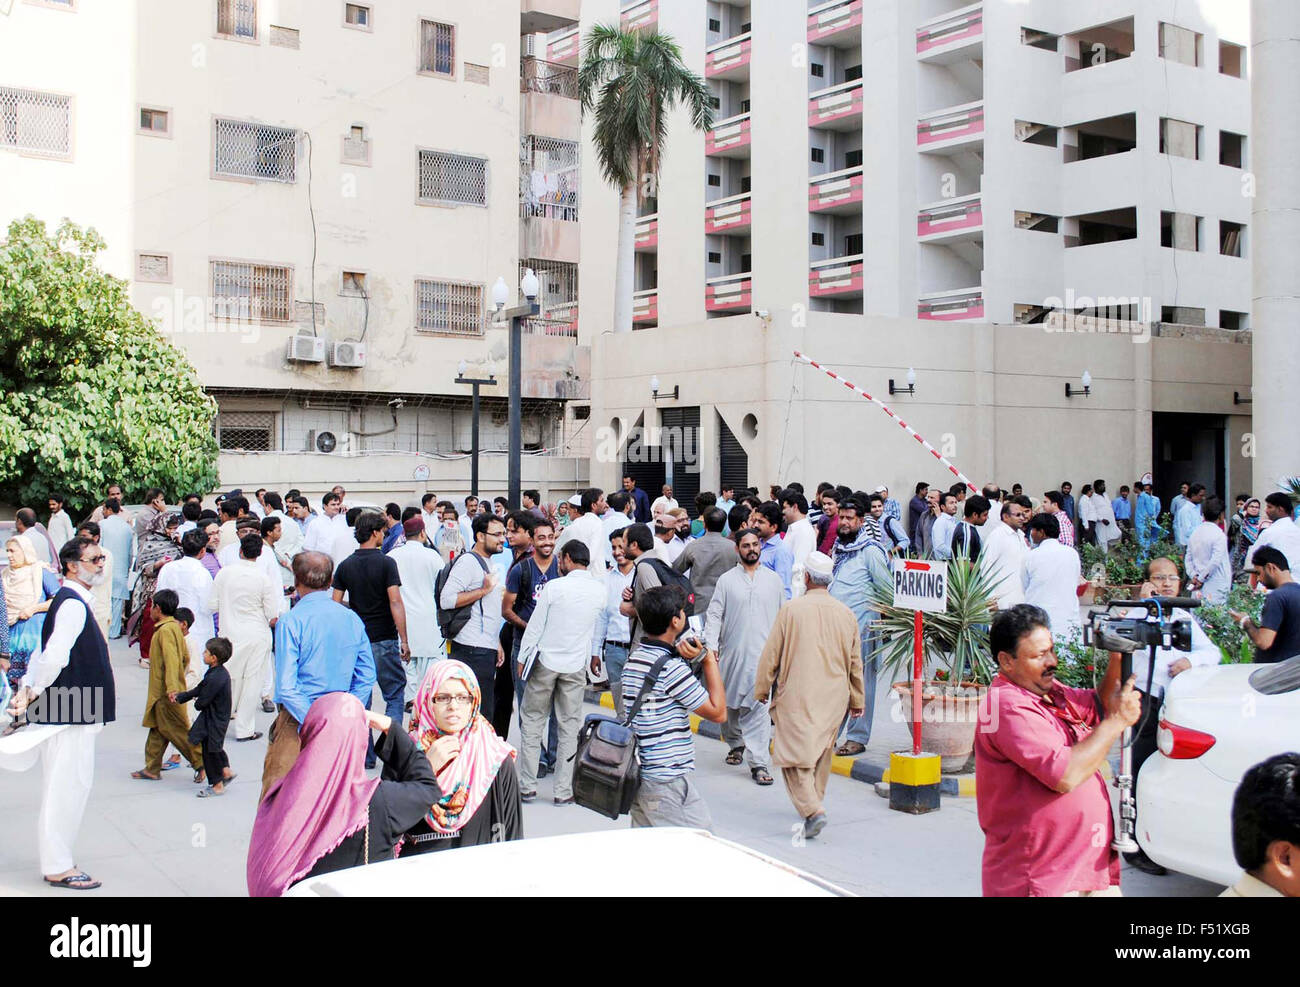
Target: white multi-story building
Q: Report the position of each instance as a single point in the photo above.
(314, 199)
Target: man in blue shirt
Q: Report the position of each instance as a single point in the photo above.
(1189, 514)
(1123, 512)
(767, 520)
(320, 646)
(640, 498)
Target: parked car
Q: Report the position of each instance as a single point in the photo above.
(1215, 724)
(668, 862)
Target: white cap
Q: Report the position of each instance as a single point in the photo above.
(819, 564)
(576, 500)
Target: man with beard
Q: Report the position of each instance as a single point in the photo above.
(741, 612)
(860, 566)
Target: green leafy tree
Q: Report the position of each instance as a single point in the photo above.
(90, 391)
(629, 81)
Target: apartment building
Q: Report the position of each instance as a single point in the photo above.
(314, 200)
(885, 178)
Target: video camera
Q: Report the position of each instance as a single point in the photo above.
(1155, 630)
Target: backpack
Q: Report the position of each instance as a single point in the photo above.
(668, 576)
(451, 621)
(606, 771)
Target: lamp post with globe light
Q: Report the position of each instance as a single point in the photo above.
(529, 287)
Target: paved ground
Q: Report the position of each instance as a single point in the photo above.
(157, 839)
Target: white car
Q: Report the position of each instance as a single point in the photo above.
(665, 862)
(1216, 723)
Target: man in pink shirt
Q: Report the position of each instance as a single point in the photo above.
(1042, 802)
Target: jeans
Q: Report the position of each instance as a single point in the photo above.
(557, 695)
(483, 662)
(391, 675)
(860, 729)
(120, 604)
(615, 658)
(551, 744)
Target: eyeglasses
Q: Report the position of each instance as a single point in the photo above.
(445, 700)
(96, 559)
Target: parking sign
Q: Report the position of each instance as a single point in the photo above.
(921, 585)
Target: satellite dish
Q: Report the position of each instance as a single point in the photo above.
(326, 442)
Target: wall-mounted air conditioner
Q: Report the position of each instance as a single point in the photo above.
(348, 354)
(305, 349)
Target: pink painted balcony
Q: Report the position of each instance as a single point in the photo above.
(952, 219)
(731, 293)
(729, 215)
(837, 107)
(838, 277)
(838, 24)
(953, 36)
(728, 59)
(563, 49)
(639, 16)
(964, 304)
(728, 138)
(647, 232)
(952, 127)
(645, 307)
(836, 193)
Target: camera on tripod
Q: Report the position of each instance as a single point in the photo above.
(1128, 634)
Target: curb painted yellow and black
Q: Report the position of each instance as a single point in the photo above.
(859, 768)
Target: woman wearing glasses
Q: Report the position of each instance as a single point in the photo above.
(479, 801)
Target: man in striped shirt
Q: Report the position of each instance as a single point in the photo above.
(668, 795)
(1054, 504)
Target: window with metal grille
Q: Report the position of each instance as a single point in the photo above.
(715, 25)
(452, 178)
(715, 257)
(246, 431)
(548, 177)
(438, 48)
(818, 239)
(37, 122)
(449, 306)
(254, 150)
(558, 281)
(237, 18)
(251, 292)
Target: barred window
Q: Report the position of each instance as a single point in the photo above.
(558, 281)
(254, 150)
(237, 18)
(449, 306)
(251, 292)
(452, 178)
(438, 48)
(35, 121)
(245, 431)
(548, 177)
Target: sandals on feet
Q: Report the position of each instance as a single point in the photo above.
(209, 792)
(200, 776)
(735, 755)
(173, 762)
(850, 748)
(142, 776)
(81, 881)
(760, 776)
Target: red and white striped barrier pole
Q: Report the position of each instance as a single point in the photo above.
(887, 410)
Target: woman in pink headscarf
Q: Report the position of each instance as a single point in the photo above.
(325, 814)
(479, 800)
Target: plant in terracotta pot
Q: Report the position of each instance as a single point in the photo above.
(955, 645)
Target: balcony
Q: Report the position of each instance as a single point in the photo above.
(645, 307)
(950, 220)
(539, 325)
(640, 16)
(728, 138)
(728, 59)
(730, 293)
(837, 107)
(952, 37)
(563, 48)
(549, 78)
(729, 215)
(541, 16)
(839, 277)
(647, 232)
(959, 304)
(837, 24)
(836, 193)
(957, 126)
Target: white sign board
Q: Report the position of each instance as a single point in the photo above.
(921, 585)
(422, 472)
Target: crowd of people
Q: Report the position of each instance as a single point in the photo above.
(758, 613)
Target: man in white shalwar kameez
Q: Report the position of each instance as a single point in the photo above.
(741, 612)
(1052, 576)
(248, 602)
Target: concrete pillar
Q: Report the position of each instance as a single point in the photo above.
(1275, 94)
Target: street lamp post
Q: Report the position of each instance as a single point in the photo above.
(476, 383)
(529, 287)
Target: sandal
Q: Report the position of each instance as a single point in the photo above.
(200, 777)
(760, 776)
(850, 748)
(172, 762)
(81, 881)
(143, 663)
(209, 792)
(256, 735)
(141, 776)
(735, 755)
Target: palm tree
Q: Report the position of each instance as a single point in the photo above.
(630, 80)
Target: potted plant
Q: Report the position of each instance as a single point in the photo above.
(1220, 628)
(955, 646)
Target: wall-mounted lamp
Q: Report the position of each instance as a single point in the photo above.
(1238, 399)
(1086, 390)
(654, 390)
(911, 384)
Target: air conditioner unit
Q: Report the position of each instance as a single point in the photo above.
(348, 354)
(305, 349)
(323, 441)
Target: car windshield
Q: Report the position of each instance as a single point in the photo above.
(1278, 678)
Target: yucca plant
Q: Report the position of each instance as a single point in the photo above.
(956, 641)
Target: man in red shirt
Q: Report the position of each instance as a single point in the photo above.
(1042, 802)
